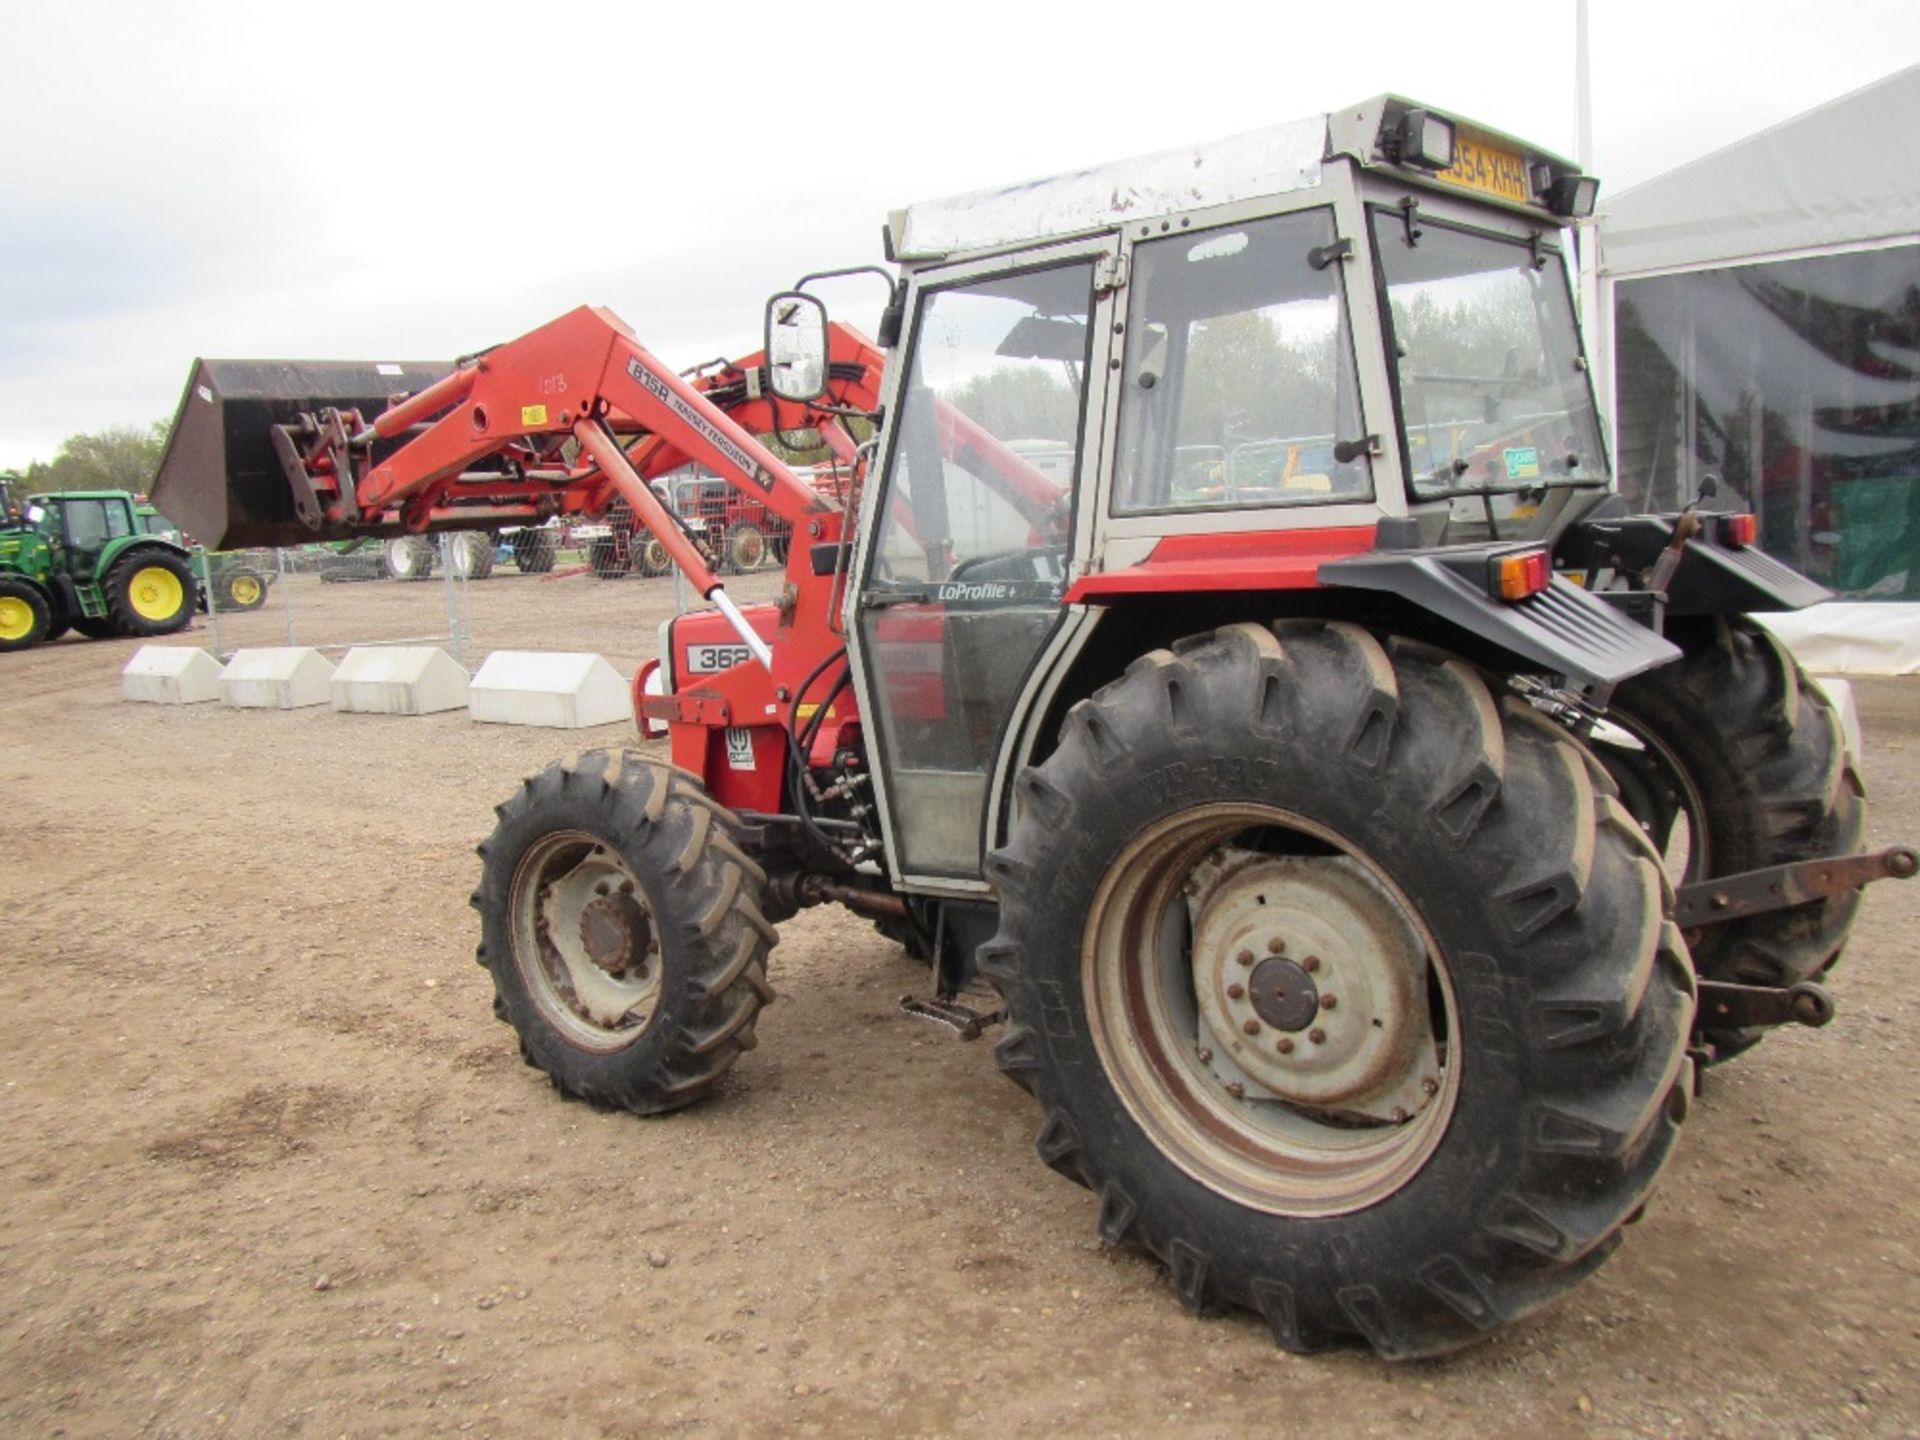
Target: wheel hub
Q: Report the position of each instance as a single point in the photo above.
(616, 932)
(1283, 994)
(1344, 1026)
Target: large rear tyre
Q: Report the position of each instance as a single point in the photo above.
(1346, 986)
(150, 592)
(622, 926)
(1744, 767)
(25, 617)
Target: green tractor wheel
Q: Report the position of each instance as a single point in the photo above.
(150, 592)
(243, 589)
(25, 617)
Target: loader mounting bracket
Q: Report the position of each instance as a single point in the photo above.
(1753, 892)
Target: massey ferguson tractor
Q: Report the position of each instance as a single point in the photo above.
(1232, 674)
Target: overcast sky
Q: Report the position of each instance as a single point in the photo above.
(413, 181)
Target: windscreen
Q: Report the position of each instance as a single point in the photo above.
(1494, 394)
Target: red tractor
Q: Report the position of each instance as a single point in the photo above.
(1311, 844)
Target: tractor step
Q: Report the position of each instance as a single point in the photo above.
(966, 1022)
(1754, 892)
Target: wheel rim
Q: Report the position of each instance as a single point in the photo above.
(155, 593)
(1277, 1021)
(1645, 778)
(656, 552)
(584, 941)
(748, 549)
(245, 590)
(16, 618)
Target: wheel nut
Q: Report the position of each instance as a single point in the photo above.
(1317, 1035)
(1206, 1056)
(1399, 1112)
(603, 888)
(1237, 1090)
(1276, 946)
(1234, 992)
(1252, 1027)
(1284, 1045)
(1245, 957)
(1192, 887)
(626, 887)
(1430, 1086)
(1327, 1002)
(1310, 964)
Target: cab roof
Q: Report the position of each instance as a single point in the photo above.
(1277, 160)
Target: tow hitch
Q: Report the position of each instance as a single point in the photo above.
(1725, 1005)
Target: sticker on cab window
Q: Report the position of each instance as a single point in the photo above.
(1523, 463)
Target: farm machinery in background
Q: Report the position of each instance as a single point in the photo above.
(1308, 823)
(739, 530)
(85, 560)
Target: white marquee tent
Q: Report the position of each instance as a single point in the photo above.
(1760, 319)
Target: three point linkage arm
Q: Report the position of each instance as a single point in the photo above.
(489, 440)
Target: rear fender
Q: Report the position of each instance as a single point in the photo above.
(1562, 629)
(1712, 579)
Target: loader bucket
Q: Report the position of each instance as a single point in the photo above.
(220, 480)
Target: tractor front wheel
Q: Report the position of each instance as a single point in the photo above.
(242, 588)
(622, 925)
(746, 548)
(25, 617)
(470, 554)
(650, 555)
(1345, 984)
(150, 592)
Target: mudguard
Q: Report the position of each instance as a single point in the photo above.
(1562, 629)
(1713, 579)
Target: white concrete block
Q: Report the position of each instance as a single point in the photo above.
(1840, 692)
(280, 677)
(397, 680)
(559, 690)
(171, 675)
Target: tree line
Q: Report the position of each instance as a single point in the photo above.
(121, 457)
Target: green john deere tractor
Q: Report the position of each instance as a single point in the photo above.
(83, 560)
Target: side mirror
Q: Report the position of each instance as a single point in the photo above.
(796, 346)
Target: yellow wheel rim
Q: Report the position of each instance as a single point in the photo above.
(156, 593)
(16, 618)
(245, 590)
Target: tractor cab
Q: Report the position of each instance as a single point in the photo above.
(1213, 370)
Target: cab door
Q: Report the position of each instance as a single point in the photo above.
(975, 531)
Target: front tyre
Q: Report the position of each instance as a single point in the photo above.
(25, 617)
(623, 930)
(1345, 985)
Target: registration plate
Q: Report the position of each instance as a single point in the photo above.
(1490, 170)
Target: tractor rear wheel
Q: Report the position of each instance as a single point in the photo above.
(622, 925)
(25, 617)
(150, 592)
(1346, 986)
(1744, 767)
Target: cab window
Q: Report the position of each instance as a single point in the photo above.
(1239, 379)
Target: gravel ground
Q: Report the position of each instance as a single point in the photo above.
(269, 1166)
